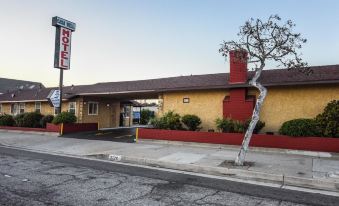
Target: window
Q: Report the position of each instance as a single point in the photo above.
(71, 107)
(14, 109)
(38, 107)
(0, 108)
(56, 110)
(21, 108)
(93, 108)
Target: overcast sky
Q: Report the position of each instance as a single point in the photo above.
(145, 39)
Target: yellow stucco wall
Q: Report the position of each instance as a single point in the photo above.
(108, 112)
(206, 104)
(286, 103)
(46, 109)
(281, 104)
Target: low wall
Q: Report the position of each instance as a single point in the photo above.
(79, 127)
(53, 127)
(258, 140)
(63, 129)
(56, 128)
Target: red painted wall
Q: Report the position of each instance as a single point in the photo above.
(67, 128)
(258, 140)
(79, 127)
(237, 106)
(53, 127)
(238, 67)
(47, 129)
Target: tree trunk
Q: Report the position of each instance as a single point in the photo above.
(255, 117)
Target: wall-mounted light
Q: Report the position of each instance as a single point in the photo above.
(186, 100)
(107, 105)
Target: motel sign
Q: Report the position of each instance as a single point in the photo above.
(62, 54)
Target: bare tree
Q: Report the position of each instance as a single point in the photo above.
(271, 40)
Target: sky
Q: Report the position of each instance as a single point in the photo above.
(146, 39)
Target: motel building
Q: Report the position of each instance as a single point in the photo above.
(291, 95)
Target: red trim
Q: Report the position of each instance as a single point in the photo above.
(68, 128)
(258, 140)
(30, 129)
(80, 127)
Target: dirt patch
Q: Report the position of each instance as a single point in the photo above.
(231, 164)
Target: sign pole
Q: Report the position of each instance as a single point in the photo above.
(62, 54)
(60, 88)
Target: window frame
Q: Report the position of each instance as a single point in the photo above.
(75, 107)
(55, 109)
(36, 108)
(94, 103)
(12, 107)
(23, 107)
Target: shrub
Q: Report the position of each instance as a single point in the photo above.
(19, 120)
(238, 126)
(170, 120)
(191, 121)
(32, 119)
(64, 117)
(234, 126)
(6, 120)
(158, 123)
(29, 119)
(299, 127)
(257, 127)
(224, 125)
(46, 119)
(145, 116)
(328, 121)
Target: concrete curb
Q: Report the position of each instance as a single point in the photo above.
(280, 179)
(253, 149)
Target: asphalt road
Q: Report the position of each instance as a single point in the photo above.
(126, 135)
(30, 178)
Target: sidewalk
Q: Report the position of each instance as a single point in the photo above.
(316, 170)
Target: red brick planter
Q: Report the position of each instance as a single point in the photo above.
(49, 128)
(64, 129)
(79, 127)
(258, 140)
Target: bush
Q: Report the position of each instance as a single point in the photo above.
(32, 119)
(46, 119)
(258, 127)
(6, 120)
(29, 119)
(192, 122)
(238, 126)
(145, 116)
(170, 120)
(19, 120)
(64, 117)
(299, 127)
(328, 121)
(224, 125)
(228, 125)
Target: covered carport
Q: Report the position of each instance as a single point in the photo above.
(113, 109)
